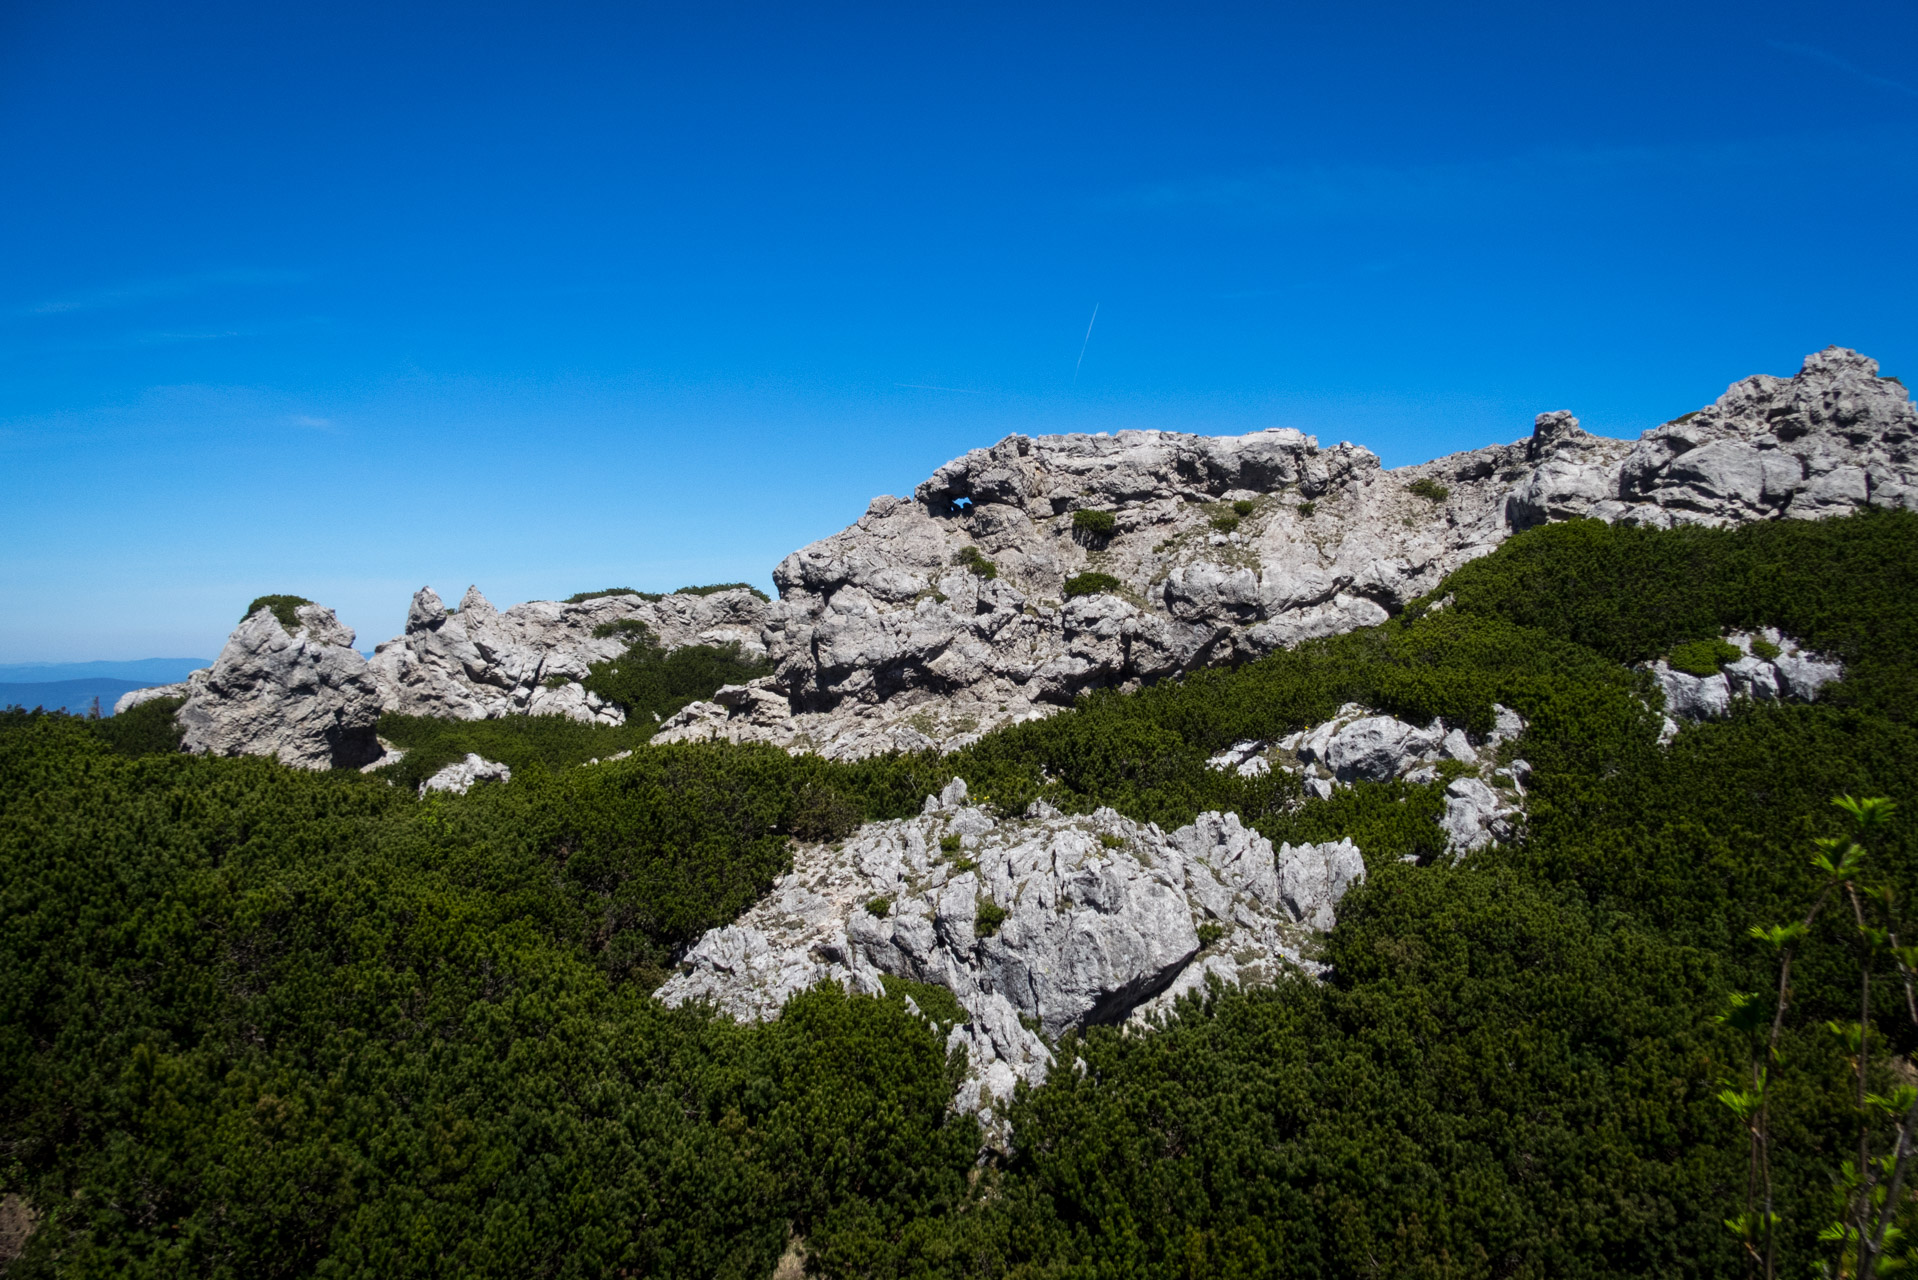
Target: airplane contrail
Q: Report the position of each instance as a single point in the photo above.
(1085, 344)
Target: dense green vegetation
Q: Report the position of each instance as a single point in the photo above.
(519, 742)
(261, 1022)
(283, 607)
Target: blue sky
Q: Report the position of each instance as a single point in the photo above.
(341, 299)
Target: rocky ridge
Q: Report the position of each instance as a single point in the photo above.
(1036, 925)
(313, 701)
(1019, 576)
(478, 663)
(932, 620)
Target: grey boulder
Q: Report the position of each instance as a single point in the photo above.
(304, 697)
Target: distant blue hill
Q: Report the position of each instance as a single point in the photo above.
(142, 671)
(75, 696)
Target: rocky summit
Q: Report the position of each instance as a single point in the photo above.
(1020, 576)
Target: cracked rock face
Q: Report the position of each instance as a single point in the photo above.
(890, 635)
(478, 663)
(1823, 443)
(306, 698)
(1037, 925)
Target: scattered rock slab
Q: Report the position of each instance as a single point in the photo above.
(1361, 745)
(459, 778)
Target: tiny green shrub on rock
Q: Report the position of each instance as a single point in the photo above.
(1764, 648)
(717, 587)
(1244, 507)
(878, 907)
(284, 608)
(631, 627)
(988, 919)
(1226, 521)
(1430, 489)
(1099, 524)
(583, 596)
(973, 562)
(1091, 584)
(1703, 657)
(653, 596)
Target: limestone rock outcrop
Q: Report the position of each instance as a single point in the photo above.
(305, 696)
(1036, 925)
(479, 663)
(1774, 668)
(1484, 797)
(1826, 442)
(1020, 576)
(934, 619)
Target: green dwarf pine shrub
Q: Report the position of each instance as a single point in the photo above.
(1091, 584)
(285, 608)
(1099, 524)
